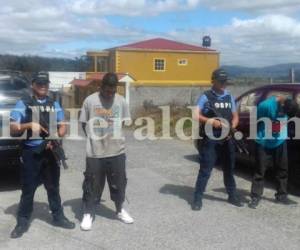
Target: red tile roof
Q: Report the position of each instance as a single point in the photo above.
(81, 83)
(163, 44)
(99, 75)
(93, 77)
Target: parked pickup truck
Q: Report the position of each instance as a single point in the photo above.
(13, 85)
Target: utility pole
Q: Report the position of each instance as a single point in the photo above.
(292, 75)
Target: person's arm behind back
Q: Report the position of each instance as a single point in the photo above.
(84, 116)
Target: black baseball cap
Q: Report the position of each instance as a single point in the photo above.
(219, 75)
(41, 79)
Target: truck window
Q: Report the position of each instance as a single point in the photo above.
(280, 93)
(7, 84)
(249, 101)
(297, 99)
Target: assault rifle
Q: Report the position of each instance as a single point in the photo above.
(239, 143)
(57, 151)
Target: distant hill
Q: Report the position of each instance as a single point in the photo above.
(280, 71)
(27, 63)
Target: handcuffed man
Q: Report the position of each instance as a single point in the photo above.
(102, 116)
(277, 109)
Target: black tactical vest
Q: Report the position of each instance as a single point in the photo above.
(44, 109)
(218, 108)
(215, 107)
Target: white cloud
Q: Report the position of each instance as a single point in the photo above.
(261, 41)
(130, 7)
(266, 6)
(275, 24)
(34, 26)
(144, 7)
(30, 27)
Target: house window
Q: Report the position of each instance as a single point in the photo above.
(102, 64)
(182, 62)
(159, 64)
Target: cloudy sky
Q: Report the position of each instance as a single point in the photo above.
(247, 33)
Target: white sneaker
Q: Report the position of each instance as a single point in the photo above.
(125, 217)
(86, 223)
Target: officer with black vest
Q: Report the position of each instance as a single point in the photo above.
(213, 104)
(32, 115)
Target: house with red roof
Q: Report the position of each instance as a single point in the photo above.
(157, 62)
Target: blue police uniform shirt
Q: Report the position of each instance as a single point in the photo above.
(203, 100)
(269, 109)
(18, 115)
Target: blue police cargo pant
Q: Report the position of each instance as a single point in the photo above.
(210, 151)
(35, 170)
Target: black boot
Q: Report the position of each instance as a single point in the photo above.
(234, 200)
(254, 202)
(19, 230)
(283, 199)
(197, 205)
(63, 222)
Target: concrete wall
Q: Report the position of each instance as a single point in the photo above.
(141, 96)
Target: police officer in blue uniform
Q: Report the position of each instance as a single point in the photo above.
(213, 104)
(38, 162)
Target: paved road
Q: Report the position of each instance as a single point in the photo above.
(161, 179)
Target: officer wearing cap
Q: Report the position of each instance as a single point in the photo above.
(32, 115)
(213, 104)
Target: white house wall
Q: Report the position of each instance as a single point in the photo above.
(58, 80)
